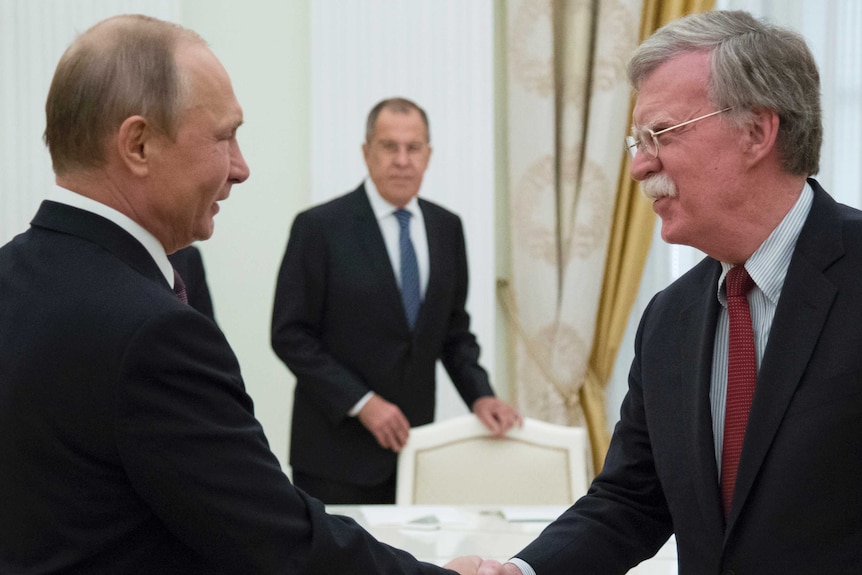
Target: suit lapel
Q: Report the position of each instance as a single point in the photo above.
(366, 232)
(433, 233)
(697, 341)
(102, 232)
(802, 311)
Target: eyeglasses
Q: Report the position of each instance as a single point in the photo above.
(646, 141)
(390, 148)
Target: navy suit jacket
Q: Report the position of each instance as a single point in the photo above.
(127, 440)
(798, 501)
(339, 325)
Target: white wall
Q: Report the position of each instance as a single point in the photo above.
(265, 48)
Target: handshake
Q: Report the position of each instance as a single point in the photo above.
(473, 565)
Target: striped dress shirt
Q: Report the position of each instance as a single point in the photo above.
(767, 267)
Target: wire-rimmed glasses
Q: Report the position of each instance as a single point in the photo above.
(646, 141)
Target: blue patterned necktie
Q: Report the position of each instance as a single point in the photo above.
(409, 269)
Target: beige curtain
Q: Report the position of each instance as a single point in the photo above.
(631, 234)
(579, 231)
(566, 97)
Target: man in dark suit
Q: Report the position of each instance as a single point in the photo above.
(127, 440)
(361, 322)
(190, 266)
(727, 129)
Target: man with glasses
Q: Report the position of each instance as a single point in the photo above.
(741, 432)
(646, 141)
(371, 293)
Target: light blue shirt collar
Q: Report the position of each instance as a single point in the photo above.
(768, 265)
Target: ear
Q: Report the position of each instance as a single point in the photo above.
(762, 134)
(133, 139)
(365, 151)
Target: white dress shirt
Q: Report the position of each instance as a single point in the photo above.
(388, 222)
(390, 229)
(768, 268)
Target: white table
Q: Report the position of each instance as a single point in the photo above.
(438, 534)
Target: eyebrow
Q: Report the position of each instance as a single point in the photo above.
(662, 119)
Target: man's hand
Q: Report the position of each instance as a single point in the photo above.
(386, 423)
(464, 565)
(491, 567)
(498, 416)
(472, 565)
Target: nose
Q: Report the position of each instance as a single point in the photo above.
(402, 156)
(643, 166)
(239, 170)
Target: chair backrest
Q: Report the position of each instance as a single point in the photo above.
(458, 462)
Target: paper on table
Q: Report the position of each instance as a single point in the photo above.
(533, 512)
(412, 515)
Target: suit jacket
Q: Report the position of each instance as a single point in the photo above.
(189, 264)
(339, 325)
(798, 501)
(128, 441)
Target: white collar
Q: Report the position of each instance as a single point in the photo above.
(65, 196)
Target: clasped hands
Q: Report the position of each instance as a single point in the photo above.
(473, 565)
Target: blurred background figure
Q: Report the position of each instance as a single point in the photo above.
(370, 295)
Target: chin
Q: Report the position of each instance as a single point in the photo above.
(205, 232)
(667, 232)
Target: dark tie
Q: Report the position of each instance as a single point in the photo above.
(180, 288)
(741, 377)
(409, 269)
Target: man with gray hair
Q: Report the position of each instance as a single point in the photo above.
(741, 432)
(371, 294)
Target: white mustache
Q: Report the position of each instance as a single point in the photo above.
(658, 186)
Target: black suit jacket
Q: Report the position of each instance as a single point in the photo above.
(798, 502)
(190, 265)
(127, 440)
(339, 325)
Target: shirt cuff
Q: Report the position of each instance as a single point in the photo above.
(522, 565)
(354, 411)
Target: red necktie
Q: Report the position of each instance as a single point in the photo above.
(180, 288)
(741, 377)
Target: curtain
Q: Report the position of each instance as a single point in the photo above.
(631, 234)
(566, 98)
